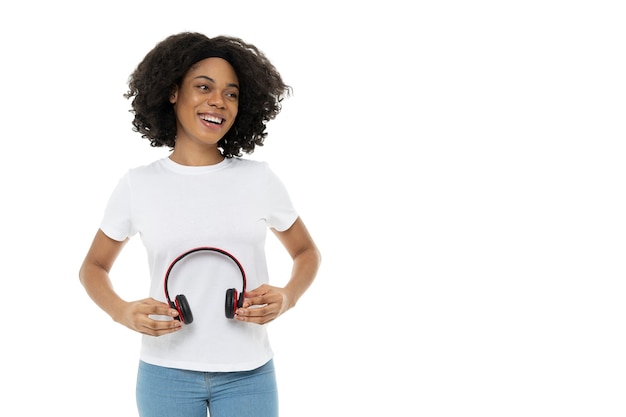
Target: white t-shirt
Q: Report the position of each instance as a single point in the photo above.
(175, 208)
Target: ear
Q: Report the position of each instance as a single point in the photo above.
(174, 95)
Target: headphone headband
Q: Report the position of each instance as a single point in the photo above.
(211, 249)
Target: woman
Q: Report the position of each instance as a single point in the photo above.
(202, 214)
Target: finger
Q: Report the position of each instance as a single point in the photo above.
(270, 297)
(160, 327)
(256, 319)
(253, 312)
(261, 290)
(160, 309)
(254, 301)
(258, 314)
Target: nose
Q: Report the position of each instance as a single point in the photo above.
(216, 99)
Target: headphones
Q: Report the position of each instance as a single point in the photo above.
(233, 299)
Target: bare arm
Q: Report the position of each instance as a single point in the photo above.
(94, 276)
(275, 301)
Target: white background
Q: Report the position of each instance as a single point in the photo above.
(460, 164)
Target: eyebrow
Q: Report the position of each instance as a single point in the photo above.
(214, 82)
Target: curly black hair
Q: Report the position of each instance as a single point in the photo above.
(164, 67)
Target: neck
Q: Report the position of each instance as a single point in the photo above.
(208, 157)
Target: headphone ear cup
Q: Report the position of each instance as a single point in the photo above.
(184, 311)
(230, 305)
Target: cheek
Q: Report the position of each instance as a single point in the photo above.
(234, 112)
(184, 105)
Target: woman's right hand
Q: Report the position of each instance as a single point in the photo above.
(137, 315)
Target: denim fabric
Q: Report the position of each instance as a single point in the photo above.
(168, 392)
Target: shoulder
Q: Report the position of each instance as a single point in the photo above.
(144, 173)
(147, 167)
(249, 165)
(158, 166)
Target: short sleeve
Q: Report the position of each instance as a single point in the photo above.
(116, 222)
(282, 213)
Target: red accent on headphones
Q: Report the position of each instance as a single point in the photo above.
(233, 300)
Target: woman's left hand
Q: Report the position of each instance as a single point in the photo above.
(264, 304)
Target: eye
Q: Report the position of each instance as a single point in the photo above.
(232, 95)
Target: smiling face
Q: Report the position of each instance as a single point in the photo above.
(206, 105)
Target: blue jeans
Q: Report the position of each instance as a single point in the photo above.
(168, 392)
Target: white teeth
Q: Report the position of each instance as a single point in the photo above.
(212, 119)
